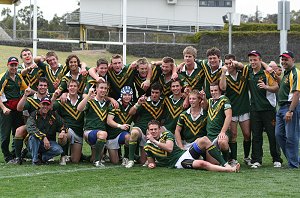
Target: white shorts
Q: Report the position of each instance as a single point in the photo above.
(241, 118)
(114, 143)
(187, 145)
(74, 137)
(186, 155)
(143, 138)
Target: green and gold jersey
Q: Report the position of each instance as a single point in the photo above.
(11, 89)
(261, 99)
(237, 92)
(210, 76)
(31, 78)
(164, 158)
(289, 83)
(33, 103)
(95, 114)
(195, 79)
(73, 118)
(166, 85)
(148, 111)
(80, 78)
(192, 128)
(138, 80)
(120, 116)
(92, 82)
(117, 81)
(216, 116)
(53, 77)
(173, 108)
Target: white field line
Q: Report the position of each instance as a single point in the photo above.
(58, 172)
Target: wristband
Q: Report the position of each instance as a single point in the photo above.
(137, 105)
(119, 126)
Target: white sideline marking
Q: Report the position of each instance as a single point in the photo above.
(57, 172)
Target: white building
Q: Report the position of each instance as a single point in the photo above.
(162, 15)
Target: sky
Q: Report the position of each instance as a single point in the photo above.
(248, 7)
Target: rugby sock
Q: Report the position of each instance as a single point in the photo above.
(215, 153)
(233, 149)
(246, 145)
(65, 149)
(132, 147)
(98, 148)
(225, 155)
(126, 151)
(18, 146)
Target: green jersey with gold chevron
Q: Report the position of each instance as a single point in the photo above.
(73, 118)
(195, 79)
(138, 80)
(95, 114)
(91, 82)
(52, 76)
(210, 76)
(148, 111)
(192, 128)
(120, 116)
(33, 103)
(11, 89)
(31, 78)
(237, 92)
(119, 80)
(216, 116)
(80, 78)
(261, 99)
(173, 108)
(166, 85)
(164, 158)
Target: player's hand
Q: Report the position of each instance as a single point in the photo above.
(174, 76)
(185, 104)
(114, 103)
(46, 143)
(84, 72)
(91, 91)
(145, 85)
(222, 135)
(224, 69)
(288, 116)
(261, 84)
(142, 99)
(100, 80)
(150, 137)
(27, 91)
(125, 127)
(6, 111)
(180, 66)
(151, 165)
(133, 65)
(63, 98)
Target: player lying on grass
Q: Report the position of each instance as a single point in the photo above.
(162, 150)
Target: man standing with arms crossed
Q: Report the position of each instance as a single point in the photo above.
(287, 118)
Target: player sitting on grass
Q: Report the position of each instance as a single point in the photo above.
(162, 150)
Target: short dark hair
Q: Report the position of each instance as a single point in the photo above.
(116, 56)
(215, 83)
(168, 60)
(102, 61)
(43, 79)
(229, 56)
(72, 81)
(155, 122)
(156, 86)
(51, 53)
(177, 80)
(213, 51)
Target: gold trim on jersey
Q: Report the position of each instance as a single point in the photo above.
(195, 79)
(166, 88)
(50, 74)
(195, 129)
(213, 112)
(174, 112)
(238, 87)
(124, 118)
(208, 76)
(31, 80)
(34, 103)
(82, 83)
(156, 151)
(74, 113)
(156, 113)
(101, 114)
(120, 82)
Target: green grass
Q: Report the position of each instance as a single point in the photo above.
(116, 181)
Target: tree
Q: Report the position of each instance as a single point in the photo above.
(5, 12)
(295, 16)
(26, 14)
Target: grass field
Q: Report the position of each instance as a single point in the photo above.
(84, 180)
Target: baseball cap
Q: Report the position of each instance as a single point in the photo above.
(287, 54)
(254, 53)
(46, 100)
(12, 60)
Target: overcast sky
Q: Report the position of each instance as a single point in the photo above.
(60, 7)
